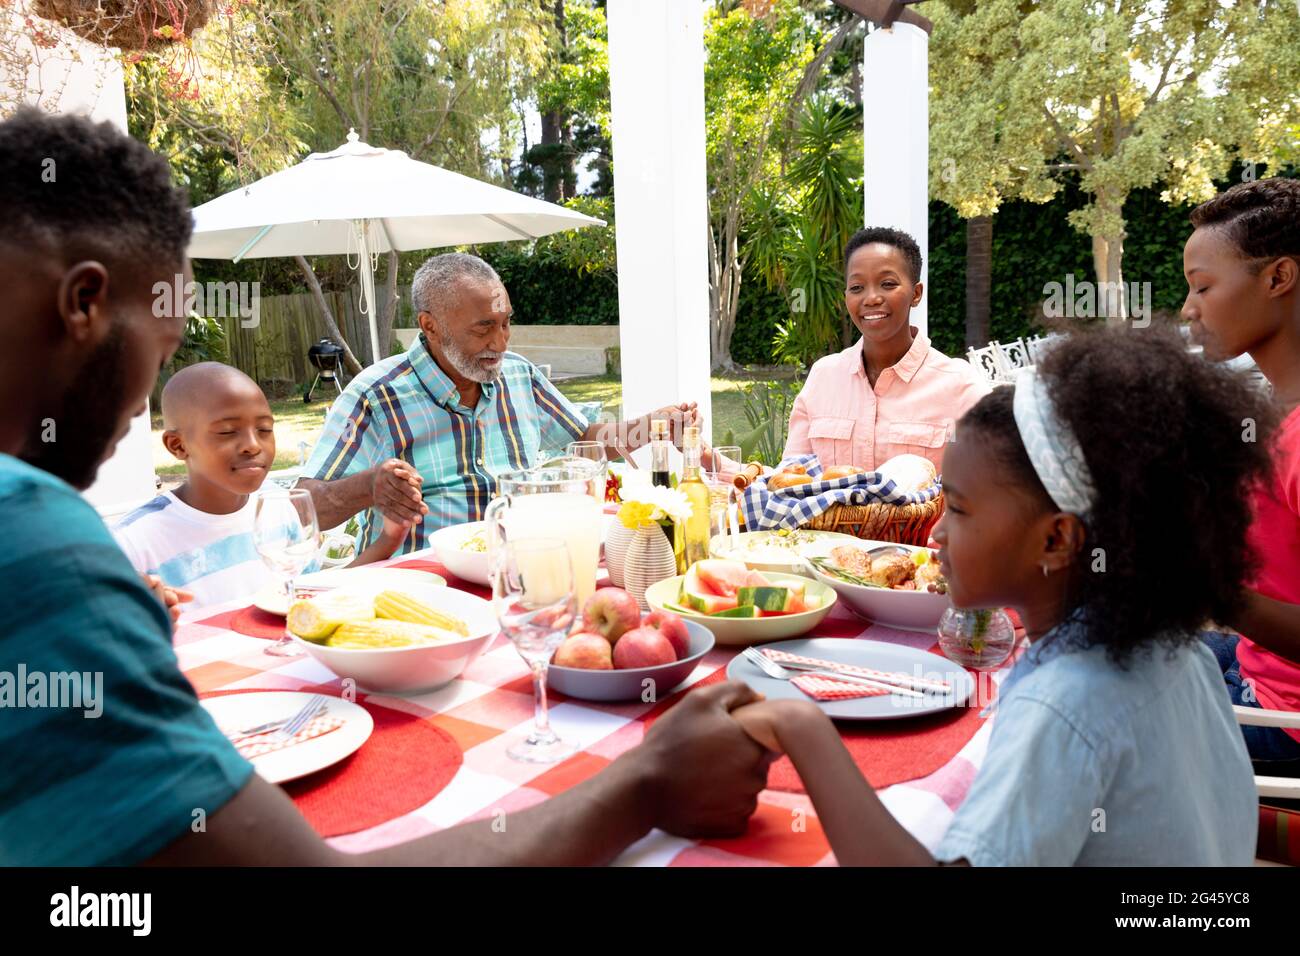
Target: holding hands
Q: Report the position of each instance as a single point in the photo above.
(397, 490)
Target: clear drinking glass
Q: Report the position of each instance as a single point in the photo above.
(981, 639)
(286, 534)
(532, 589)
(593, 451)
(726, 463)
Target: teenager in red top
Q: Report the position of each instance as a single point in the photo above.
(1243, 274)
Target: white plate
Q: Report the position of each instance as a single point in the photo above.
(234, 711)
(877, 655)
(819, 542)
(362, 580)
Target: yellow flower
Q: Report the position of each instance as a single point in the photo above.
(633, 514)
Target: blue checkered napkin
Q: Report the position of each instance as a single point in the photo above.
(794, 507)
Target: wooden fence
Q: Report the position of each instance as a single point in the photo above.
(274, 352)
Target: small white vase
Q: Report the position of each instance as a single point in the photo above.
(649, 560)
(616, 545)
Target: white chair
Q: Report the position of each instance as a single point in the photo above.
(989, 361)
(1015, 355)
(1271, 788)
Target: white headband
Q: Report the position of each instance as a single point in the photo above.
(1053, 451)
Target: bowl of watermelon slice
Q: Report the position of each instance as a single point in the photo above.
(741, 606)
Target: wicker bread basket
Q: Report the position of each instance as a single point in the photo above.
(904, 524)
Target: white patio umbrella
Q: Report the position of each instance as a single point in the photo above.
(361, 200)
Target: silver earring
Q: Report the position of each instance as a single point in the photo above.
(1044, 570)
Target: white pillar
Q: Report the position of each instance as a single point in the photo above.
(79, 77)
(656, 81)
(896, 145)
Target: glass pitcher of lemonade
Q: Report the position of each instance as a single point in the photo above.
(553, 501)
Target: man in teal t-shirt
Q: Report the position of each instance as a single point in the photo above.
(108, 757)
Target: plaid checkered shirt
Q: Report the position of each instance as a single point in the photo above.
(406, 407)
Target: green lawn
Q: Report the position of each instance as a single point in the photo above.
(296, 422)
(727, 393)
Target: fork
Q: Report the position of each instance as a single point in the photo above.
(772, 669)
(235, 736)
(299, 720)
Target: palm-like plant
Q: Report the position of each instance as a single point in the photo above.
(800, 225)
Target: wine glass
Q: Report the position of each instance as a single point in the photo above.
(286, 534)
(532, 589)
(593, 451)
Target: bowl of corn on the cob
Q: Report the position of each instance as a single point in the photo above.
(416, 639)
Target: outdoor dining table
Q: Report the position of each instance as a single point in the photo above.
(491, 706)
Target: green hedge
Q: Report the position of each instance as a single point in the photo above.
(1034, 244)
(548, 293)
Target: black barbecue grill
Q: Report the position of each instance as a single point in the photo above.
(327, 356)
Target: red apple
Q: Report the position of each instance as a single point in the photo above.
(589, 652)
(643, 647)
(610, 612)
(673, 628)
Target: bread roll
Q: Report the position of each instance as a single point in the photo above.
(840, 471)
(786, 480)
(909, 472)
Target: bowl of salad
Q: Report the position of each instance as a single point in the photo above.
(463, 550)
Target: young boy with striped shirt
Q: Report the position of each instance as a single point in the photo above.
(198, 539)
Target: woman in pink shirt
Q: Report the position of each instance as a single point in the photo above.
(1242, 264)
(891, 392)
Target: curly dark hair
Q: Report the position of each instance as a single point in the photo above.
(86, 190)
(1261, 218)
(890, 237)
(1169, 440)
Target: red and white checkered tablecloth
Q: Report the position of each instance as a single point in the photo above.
(491, 706)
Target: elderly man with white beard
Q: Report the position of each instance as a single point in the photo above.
(422, 436)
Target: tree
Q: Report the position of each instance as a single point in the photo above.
(1126, 93)
(754, 62)
(800, 224)
(430, 79)
(976, 140)
(573, 97)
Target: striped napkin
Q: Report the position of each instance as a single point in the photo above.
(266, 743)
(826, 688)
(914, 681)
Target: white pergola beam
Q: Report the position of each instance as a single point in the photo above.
(896, 144)
(656, 80)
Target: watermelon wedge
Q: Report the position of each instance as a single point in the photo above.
(707, 603)
(719, 576)
(748, 611)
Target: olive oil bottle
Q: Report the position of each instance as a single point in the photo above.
(691, 537)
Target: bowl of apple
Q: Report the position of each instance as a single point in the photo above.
(617, 654)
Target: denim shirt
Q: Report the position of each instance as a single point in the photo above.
(1093, 765)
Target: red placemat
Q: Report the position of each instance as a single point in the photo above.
(437, 567)
(886, 751)
(406, 763)
(249, 621)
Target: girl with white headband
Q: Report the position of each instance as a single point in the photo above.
(1104, 498)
